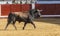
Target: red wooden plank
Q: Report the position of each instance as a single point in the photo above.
(48, 9)
(5, 9)
(26, 7)
(57, 9)
(15, 7)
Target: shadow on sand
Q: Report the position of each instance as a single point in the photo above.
(49, 20)
(7, 30)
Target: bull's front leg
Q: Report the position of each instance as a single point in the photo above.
(33, 24)
(24, 25)
(14, 24)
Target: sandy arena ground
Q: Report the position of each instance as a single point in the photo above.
(44, 27)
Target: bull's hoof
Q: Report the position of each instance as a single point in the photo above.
(23, 28)
(34, 27)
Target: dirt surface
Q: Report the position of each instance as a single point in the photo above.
(44, 27)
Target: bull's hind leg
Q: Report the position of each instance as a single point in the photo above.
(14, 24)
(33, 24)
(24, 25)
(7, 24)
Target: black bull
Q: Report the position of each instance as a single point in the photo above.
(26, 17)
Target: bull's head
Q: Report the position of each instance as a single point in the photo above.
(37, 13)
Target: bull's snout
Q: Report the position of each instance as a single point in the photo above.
(38, 15)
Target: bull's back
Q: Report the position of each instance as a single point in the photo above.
(21, 14)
